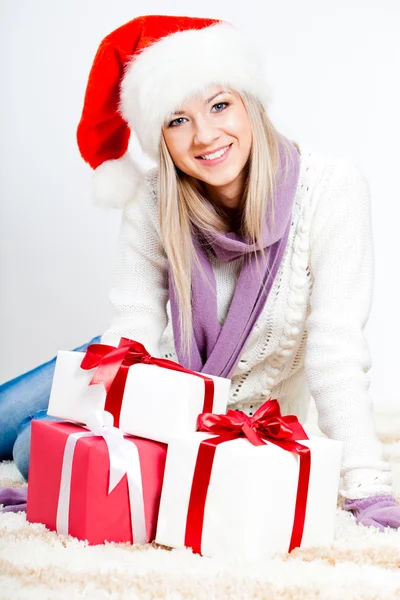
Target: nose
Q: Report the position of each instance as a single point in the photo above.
(205, 132)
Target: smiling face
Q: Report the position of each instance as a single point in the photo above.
(217, 123)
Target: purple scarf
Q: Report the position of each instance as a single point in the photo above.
(216, 350)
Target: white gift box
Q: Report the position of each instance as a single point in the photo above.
(250, 503)
(158, 403)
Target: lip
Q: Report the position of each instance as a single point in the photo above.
(218, 160)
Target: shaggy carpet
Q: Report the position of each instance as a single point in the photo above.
(361, 564)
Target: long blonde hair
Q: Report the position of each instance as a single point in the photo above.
(182, 204)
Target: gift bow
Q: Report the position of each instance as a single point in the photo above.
(267, 424)
(112, 366)
(124, 460)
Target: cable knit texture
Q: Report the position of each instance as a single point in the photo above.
(309, 338)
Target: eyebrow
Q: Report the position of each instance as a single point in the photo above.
(206, 102)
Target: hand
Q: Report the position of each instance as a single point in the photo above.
(375, 511)
(13, 499)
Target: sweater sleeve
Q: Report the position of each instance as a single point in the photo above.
(139, 292)
(337, 359)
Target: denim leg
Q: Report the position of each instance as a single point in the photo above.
(24, 396)
(21, 449)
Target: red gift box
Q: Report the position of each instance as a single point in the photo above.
(93, 514)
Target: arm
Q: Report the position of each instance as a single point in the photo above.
(337, 355)
(140, 284)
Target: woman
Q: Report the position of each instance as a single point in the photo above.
(241, 254)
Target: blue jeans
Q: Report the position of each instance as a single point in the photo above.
(22, 399)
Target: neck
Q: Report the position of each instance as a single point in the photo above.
(228, 199)
(233, 219)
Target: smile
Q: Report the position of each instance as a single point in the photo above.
(216, 158)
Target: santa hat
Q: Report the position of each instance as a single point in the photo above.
(142, 72)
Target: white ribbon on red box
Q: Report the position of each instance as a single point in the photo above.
(124, 459)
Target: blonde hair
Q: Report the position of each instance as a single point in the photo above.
(182, 204)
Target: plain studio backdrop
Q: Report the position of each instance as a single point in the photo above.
(333, 71)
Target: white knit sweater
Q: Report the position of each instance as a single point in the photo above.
(309, 337)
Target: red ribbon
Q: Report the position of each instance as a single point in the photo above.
(112, 366)
(266, 424)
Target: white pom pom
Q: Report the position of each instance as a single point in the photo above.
(114, 182)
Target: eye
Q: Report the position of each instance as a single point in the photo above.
(221, 104)
(171, 124)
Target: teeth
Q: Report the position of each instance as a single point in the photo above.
(215, 155)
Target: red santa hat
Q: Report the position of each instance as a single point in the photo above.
(142, 72)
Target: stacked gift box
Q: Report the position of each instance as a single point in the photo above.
(147, 451)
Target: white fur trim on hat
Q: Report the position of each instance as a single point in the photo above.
(167, 73)
(114, 182)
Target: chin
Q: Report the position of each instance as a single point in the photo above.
(219, 179)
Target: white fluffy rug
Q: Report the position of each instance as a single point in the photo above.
(362, 563)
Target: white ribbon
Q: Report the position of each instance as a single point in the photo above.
(124, 459)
